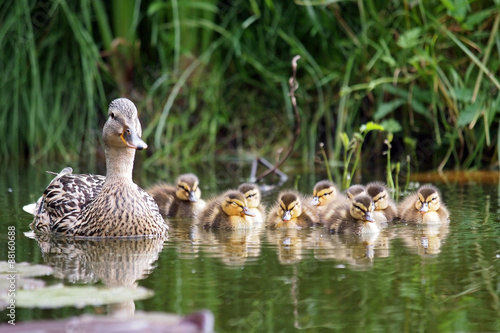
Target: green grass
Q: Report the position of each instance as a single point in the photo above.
(210, 78)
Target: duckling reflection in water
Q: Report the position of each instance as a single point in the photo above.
(424, 206)
(385, 208)
(291, 211)
(354, 217)
(253, 197)
(228, 211)
(182, 200)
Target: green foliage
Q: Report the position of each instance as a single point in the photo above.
(210, 77)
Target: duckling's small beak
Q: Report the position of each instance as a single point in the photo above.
(132, 140)
(287, 216)
(192, 196)
(315, 201)
(248, 212)
(424, 208)
(369, 217)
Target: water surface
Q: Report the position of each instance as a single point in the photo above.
(406, 279)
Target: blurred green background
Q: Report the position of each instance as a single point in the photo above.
(210, 78)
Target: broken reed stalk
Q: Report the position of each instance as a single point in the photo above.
(294, 85)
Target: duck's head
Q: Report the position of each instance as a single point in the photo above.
(354, 190)
(234, 204)
(251, 193)
(429, 199)
(123, 129)
(379, 195)
(187, 187)
(323, 193)
(290, 206)
(362, 208)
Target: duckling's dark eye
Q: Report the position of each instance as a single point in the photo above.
(251, 195)
(328, 193)
(112, 115)
(382, 197)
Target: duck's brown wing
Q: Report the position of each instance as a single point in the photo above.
(64, 198)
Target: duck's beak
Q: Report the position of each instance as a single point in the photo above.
(315, 201)
(287, 216)
(132, 140)
(192, 196)
(424, 208)
(248, 212)
(369, 217)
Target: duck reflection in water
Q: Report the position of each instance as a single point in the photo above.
(425, 239)
(113, 261)
(232, 247)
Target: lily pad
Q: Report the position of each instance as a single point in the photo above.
(24, 269)
(57, 296)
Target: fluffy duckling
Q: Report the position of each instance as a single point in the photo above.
(385, 208)
(324, 192)
(182, 200)
(354, 217)
(424, 206)
(291, 211)
(354, 190)
(253, 197)
(85, 205)
(228, 211)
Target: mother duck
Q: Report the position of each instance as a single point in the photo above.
(85, 205)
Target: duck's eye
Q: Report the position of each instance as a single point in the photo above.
(112, 115)
(251, 195)
(434, 199)
(234, 204)
(382, 197)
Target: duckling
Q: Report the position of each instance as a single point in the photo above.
(324, 192)
(385, 208)
(291, 211)
(354, 190)
(97, 206)
(424, 206)
(228, 211)
(183, 200)
(253, 197)
(354, 217)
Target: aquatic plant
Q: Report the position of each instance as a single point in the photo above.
(210, 77)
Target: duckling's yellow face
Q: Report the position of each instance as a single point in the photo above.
(236, 207)
(381, 200)
(188, 190)
(290, 210)
(362, 208)
(428, 202)
(123, 129)
(323, 196)
(253, 198)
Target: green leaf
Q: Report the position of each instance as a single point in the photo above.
(385, 108)
(410, 38)
(468, 114)
(391, 125)
(79, 296)
(345, 140)
(370, 126)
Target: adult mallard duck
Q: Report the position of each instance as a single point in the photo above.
(182, 200)
(424, 206)
(253, 197)
(354, 217)
(385, 209)
(227, 211)
(97, 206)
(291, 211)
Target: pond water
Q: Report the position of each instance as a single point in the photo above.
(406, 279)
